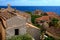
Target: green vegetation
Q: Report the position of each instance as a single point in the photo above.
(49, 37)
(54, 22)
(58, 24)
(28, 12)
(33, 17)
(21, 37)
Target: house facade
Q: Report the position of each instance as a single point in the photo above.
(16, 26)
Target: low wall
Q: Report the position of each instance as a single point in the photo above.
(33, 31)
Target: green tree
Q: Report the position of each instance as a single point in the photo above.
(58, 24)
(29, 12)
(54, 22)
(33, 17)
(49, 38)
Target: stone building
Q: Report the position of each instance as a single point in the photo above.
(41, 19)
(38, 12)
(17, 23)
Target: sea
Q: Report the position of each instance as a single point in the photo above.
(55, 9)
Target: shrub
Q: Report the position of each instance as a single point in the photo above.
(21, 37)
(54, 22)
(49, 37)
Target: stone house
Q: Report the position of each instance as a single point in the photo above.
(38, 12)
(41, 19)
(33, 31)
(17, 23)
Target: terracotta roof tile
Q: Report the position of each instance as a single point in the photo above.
(46, 18)
(54, 31)
(6, 14)
(51, 13)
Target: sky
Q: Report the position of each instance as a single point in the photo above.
(30, 2)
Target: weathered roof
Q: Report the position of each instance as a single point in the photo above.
(43, 18)
(24, 14)
(51, 13)
(54, 31)
(7, 13)
(30, 25)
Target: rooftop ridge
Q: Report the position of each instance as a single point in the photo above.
(32, 26)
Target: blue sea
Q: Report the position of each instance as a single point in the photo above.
(55, 9)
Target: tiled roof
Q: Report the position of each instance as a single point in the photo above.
(6, 14)
(46, 18)
(54, 31)
(51, 13)
(10, 12)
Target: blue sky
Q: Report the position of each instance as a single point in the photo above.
(30, 2)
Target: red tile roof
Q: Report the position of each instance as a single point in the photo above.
(46, 18)
(54, 31)
(51, 13)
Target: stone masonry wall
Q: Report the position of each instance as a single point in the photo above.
(16, 23)
(34, 32)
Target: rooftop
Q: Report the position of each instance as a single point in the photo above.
(43, 18)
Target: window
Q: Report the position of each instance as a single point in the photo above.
(16, 31)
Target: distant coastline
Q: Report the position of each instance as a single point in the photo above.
(55, 9)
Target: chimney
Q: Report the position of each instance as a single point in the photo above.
(8, 5)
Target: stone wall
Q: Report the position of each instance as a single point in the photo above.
(29, 19)
(16, 23)
(33, 31)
